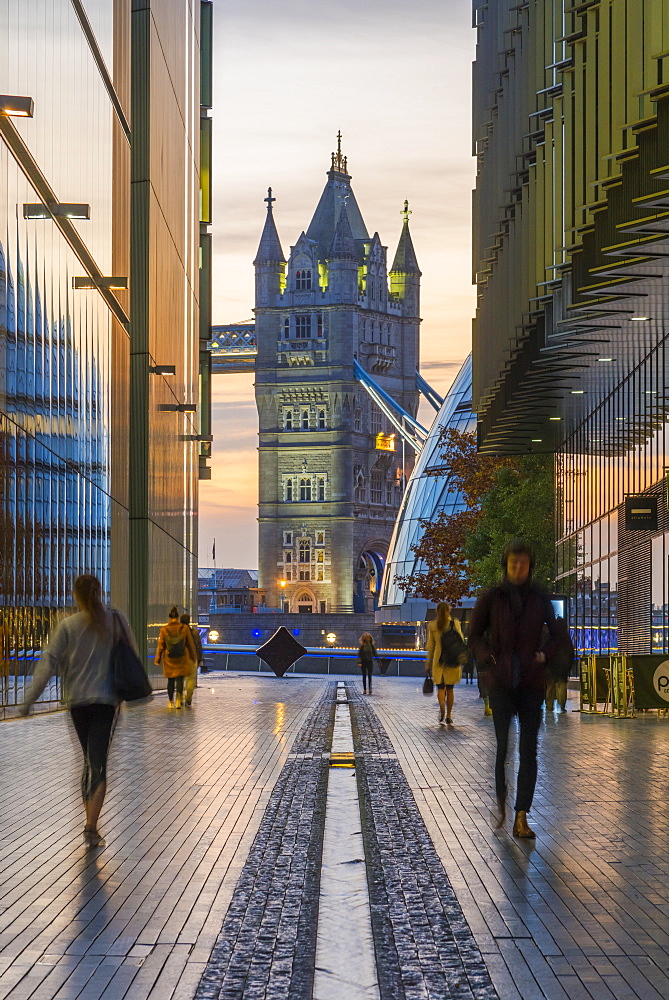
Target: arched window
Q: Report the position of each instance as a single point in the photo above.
(319, 324)
(289, 489)
(305, 491)
(305, 603)
(357, 419)
(360, 487)
(305, 551)
(304, 420)
(321, 420)
(289, 420)
(321, 488)
(286, 328)
(320, 556)
(303, 279)
(376, 488)
(302, 325)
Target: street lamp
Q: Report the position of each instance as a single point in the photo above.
(16, 107)
(331, 638)
(214, 636)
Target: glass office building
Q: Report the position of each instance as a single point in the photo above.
(427, 492)
(571, 232)
(98, 453)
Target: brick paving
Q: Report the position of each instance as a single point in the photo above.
(582, 914)
(267, 946)
(423, 944)
(187, 792)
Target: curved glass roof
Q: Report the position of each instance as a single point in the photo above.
(427, 494)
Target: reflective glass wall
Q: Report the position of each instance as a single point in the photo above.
(617, 579)
(427, 493)
(56, 343)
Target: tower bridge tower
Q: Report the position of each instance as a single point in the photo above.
(331, 472)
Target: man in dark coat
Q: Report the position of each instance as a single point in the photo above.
(505, 636)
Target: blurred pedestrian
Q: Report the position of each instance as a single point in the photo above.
(176, 652)
(505, 636)
(366, 654)
(446, 653)
(80, 649)
(191, 678)
(558, 668)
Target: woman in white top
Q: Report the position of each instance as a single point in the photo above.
(444, 675)
(80, 648)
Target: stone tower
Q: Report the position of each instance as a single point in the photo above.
(332, 471)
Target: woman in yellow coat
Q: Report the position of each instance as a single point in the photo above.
(445, 676)
(176, 649)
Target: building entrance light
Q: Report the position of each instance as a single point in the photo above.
(16, 107)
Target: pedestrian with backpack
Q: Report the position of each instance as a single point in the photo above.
(191, 679)
(446, 652)
(176, 651)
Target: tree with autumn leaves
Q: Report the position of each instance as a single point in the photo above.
(505, 498)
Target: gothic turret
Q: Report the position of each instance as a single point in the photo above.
(405, 273)
(270, 263)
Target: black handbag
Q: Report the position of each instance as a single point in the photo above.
(129, 678)
(428, 685)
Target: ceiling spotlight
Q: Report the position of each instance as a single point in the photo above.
(536, 440)
(555, 418)
(639, 319)
(605, 359)
(16, 107)
(577, 392)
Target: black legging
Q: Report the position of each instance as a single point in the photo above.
(366, 668)
(94, 725)
(173, 682)
(527, 706)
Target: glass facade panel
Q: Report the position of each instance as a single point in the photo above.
(427, 493)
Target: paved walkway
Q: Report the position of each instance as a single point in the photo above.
(584, 913)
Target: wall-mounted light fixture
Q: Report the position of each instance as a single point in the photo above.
(16, 107)
(85, 282)
(178, 407)
(163, 369)
(64, 210)
(207, 438)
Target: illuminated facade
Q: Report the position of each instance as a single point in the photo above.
(331, 472)
(95, 476)
(571, 229)
(427, 493)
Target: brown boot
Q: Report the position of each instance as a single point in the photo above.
(520, 827)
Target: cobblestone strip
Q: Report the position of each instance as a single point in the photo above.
(424, 947)
(267, 945)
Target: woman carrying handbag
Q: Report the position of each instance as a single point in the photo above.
(446, 651)
(80, 649)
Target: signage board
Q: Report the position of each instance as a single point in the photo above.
(640, 513)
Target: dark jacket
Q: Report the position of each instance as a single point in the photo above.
(558, 666)
(501, 627)
(198, 643)
(366, 654)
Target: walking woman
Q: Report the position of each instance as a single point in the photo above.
(366, 655)
(444, 666)
(80, 648)
(176, 650)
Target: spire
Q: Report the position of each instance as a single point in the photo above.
(405, 261)
(269, 249)
(339, 163)
(336, 194)
(343, 244)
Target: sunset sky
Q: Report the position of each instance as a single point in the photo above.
(396, 79)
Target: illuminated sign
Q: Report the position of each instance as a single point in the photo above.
(640, 513)
(385, 442)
